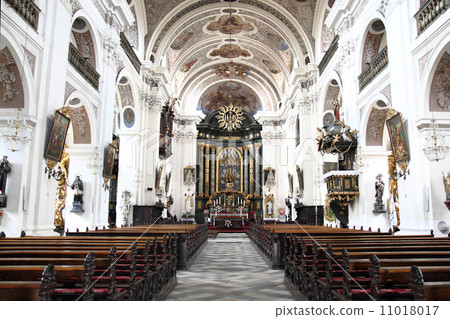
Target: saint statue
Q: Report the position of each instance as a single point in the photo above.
(77, 186)
(269, 208)
(5, 168)
(446, 181)
(379, 189)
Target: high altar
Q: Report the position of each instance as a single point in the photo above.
(229, 171)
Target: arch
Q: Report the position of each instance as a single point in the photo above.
(26, 75)
(189, 14)
(88, 111)
(430, 70)
(122, 108)
(141, 24)
(94, 34)
(362, 40)
(333, 91)
(322, 10)
(378, 121)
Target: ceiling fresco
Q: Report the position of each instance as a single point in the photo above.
(204, 42)
(221, 94)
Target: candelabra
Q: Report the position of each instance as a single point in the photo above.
(435, 147)
(17, 133)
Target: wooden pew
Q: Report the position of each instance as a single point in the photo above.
(425, 287)
(316, 265)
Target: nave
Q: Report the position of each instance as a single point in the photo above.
(178, 262)
(229, 268)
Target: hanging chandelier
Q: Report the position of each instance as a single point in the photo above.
(17, 133)
(435, 147)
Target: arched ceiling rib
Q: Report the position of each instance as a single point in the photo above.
(192, 40)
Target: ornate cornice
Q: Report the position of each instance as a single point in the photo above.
(112, 51)
(188, 135)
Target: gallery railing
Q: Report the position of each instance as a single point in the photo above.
(373, 69)
(429, 12)
(83, 67)
(329, 54)
(28, 10)
(126, 46)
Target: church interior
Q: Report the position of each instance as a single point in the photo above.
(145, 142)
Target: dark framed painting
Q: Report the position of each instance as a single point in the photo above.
(398, 138)
(300, 178)
(109, 161)
(291, 183)
(168, 178)
(57, 137)
(158, 176)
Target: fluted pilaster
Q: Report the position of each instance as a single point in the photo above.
(201, 147)
(207, 147)
(246, 169)
(257, 172)
(213, 169)
(252, 177)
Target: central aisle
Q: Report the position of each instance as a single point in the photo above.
(230, 268)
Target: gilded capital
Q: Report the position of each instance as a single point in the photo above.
(201, 145)
(257, 146)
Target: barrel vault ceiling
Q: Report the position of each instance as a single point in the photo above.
(215, 51)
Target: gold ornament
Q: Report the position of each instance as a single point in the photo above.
(230, 117)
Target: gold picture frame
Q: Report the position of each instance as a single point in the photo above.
(398, 139)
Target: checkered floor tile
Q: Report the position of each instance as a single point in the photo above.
(229, 268)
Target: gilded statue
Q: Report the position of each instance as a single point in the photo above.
(393, 188)
(61, 192)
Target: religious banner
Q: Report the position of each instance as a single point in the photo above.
(109, 161)
(301, 186)
(291, 183)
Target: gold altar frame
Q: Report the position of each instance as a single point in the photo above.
(269, 198)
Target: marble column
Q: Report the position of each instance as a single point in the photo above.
(207, 170)
(245, 169)
(213, 170)
(257, 173)
(252, 176)
(200, 168)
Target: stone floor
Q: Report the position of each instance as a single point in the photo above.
(230, 268)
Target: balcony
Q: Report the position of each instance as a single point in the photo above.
(329, 54)
(83, 67)
(126, 46)
(375, 67)
(28, 10)
(429, 12)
